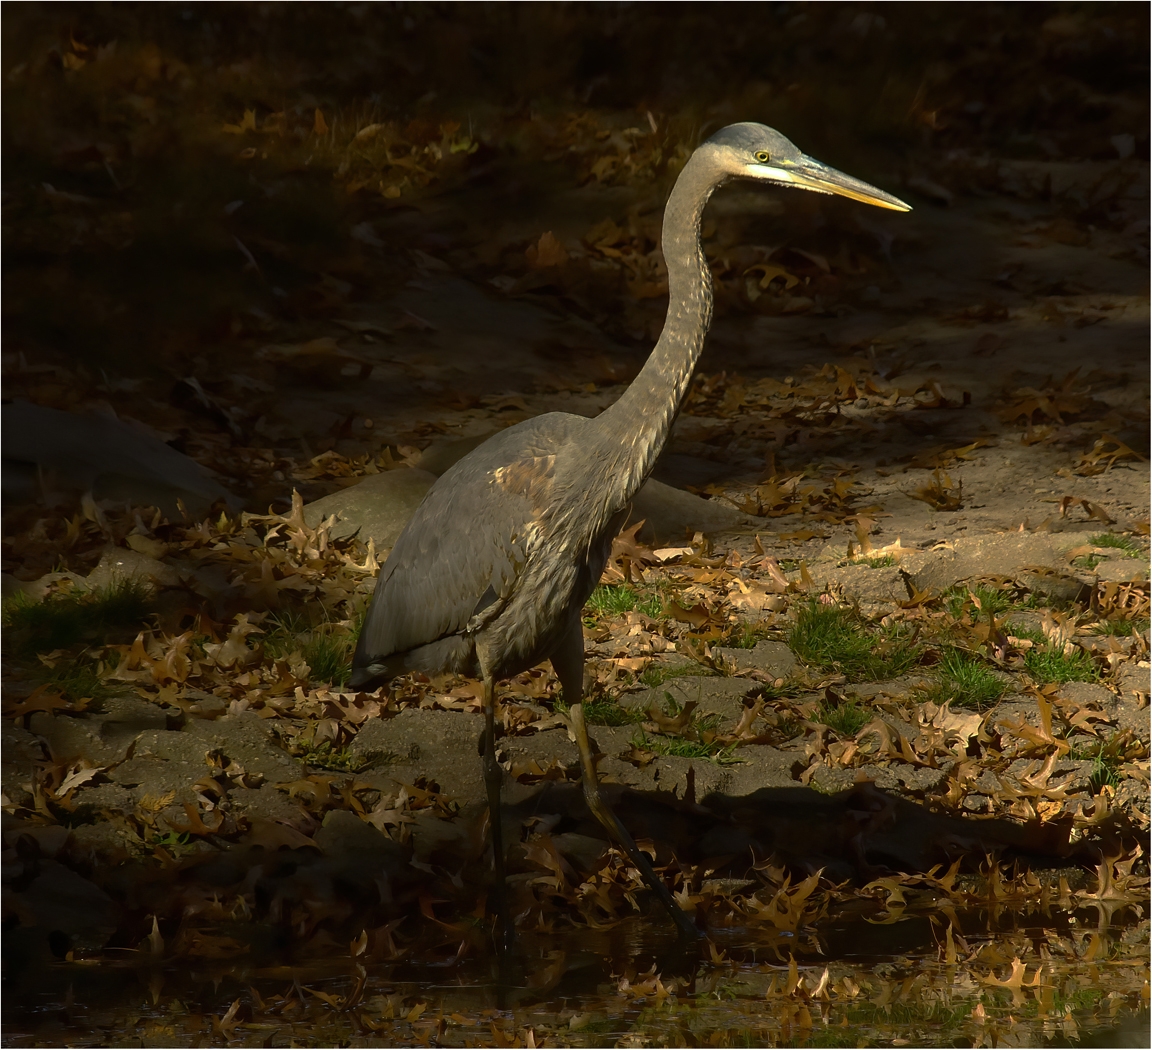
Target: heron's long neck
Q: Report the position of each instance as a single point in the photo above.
(636, 427)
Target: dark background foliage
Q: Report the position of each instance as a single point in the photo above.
(122, 105)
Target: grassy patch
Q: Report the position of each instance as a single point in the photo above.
(967, 681)
(679, 747)
(1125, 544)
(326, 648)
(1088, 561)
(846, 719)
(1046, 664)
(329, 656)
(1106, 758)
(837, 637)
(73, 679)
(653, 675)
(65, 620)
(990, 598)
(880, 562)
(1120, 627)
(617, 599)
(746, 635)
(601, 712)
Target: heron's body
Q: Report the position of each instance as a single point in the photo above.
(504, 607)
(491, 573)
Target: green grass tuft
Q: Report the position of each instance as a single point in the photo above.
(1125, 544)
(1105, 762)
(846, 718)
(1120, 627)
(746, 635)
(612, 600)
(990, 598)
(967, 681)
(1088, 561)
(326, 647)
(880, 562)
(678, 747)
(73, 679)
(617, 599)
(653, 676)
(329, 656)
(605, 713)
(1047, 665)
(834, 636)
(64, 620)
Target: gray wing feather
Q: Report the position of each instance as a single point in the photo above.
(467, 537)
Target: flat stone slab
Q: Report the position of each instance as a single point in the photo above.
(714, 696)
(376, 508)
(671, 515)
(103, 455)
(441, 745)
(1038, 560)
(1122, 570)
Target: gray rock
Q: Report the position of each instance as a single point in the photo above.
(882, 584)
(19, 753)
(1088, 693)
(672, 515)
(1053, 584)
(829, 780)
(442, 454)
(115, 798)
(377, 507)
(121, 563)
(436, 744)
(1122, 570)
(761, 766)
(72, 737)
(267, 803)
(105, 841)
(246, 739)
(1080, 771)
(1131, 680)
(1014, 554)
(773, 659)
(106, 456)
(551, 744)
(714, 695)
(203, 705)
(123, 718)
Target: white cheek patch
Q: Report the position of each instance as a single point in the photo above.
(767, 171)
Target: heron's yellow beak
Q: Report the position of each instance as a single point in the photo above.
(810, 174)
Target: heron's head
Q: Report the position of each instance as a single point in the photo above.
(755, 151)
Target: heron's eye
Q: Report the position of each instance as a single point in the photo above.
(763, 157)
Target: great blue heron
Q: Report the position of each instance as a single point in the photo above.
(490, 575)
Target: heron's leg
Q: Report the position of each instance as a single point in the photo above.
(493, 781)
(568, 662)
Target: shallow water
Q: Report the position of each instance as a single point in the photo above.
(994, 977)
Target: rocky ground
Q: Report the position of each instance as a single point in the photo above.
(876, 632)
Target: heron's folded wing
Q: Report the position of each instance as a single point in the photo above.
(458, 558)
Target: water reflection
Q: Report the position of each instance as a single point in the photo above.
(979, 976)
